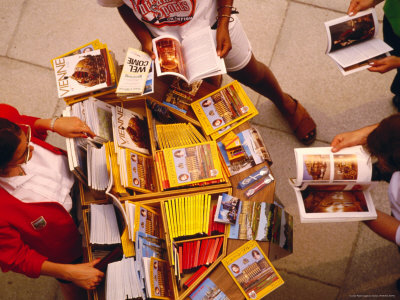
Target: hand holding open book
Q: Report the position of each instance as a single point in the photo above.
(353, 43)
(192, 59)
(333, 187)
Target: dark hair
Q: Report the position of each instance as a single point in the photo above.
(9, 141)
(384, 141)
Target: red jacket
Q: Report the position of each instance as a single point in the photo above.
(23, 248)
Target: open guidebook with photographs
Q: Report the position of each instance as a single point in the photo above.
(333, 187)
(353, 42)
(193, 58)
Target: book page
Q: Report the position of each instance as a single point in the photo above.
(335, 203)
(320, 164)
(360, 52)
(169, 57)
(201, 58)
(345, 31)
(361, 65)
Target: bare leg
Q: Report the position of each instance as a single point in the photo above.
(72, 292)
(259, 77)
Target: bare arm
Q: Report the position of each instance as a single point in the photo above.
(386, 226)
(83, 275)
(224, 44)
(352, 138)
(65, 126)
(138, 28)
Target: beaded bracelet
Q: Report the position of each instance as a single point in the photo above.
(225, 16)
(53, 121)
(233, 9)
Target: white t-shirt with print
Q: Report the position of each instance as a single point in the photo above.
(175, 17)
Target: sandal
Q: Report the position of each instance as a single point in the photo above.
(302, 124)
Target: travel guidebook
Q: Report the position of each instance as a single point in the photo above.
(157, 278)
(353, 41)
(82, 73)
(224, 109)
(252, 271)
(188, 59)
(207, 290)
(262, 221)
(192, 164)
(130, 129)
(333, 187)
(180, 94)
(134, 74)
(243, 150)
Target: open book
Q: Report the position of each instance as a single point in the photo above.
(192, 59)
(333, 187)
(353, 41)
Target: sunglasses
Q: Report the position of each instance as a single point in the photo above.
(28, 141)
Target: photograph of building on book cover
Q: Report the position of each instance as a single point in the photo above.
(91, 70)
(141, 170)
(194, 163)
(345, 167)
(223, 107)
(159, 270)
(253, 272)
(170, 56)
(319, 199)
(352, 31)
(316, 167)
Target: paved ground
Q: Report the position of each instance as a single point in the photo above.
(330, 261)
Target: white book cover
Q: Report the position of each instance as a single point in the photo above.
(82, 73)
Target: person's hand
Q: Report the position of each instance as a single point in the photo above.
(72, 127)
(385, 64)
(351, 138)
(224, 44)
(358, 5)
(86, 275)
(147, 47)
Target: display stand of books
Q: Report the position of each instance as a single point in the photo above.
(158, 199)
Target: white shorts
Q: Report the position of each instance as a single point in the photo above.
(240, 54)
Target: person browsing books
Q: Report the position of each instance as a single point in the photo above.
(391, 35)
(383, 142)
(38, 236)
(179, 18)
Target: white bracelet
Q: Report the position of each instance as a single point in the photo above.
(53, 121)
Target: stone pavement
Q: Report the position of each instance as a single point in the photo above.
(330, 261)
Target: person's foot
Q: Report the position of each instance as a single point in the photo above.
(396, 102)
(301, 123)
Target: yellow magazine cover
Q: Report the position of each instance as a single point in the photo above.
(93, 45)
(192, 164)
(252, 271)
(160, 279)
(127, 245)
(147, 220)
(217, 134)
(223, 107)
(115, 169)
(140, 172)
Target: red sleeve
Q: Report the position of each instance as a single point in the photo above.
(16, 256)
(10, 113)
